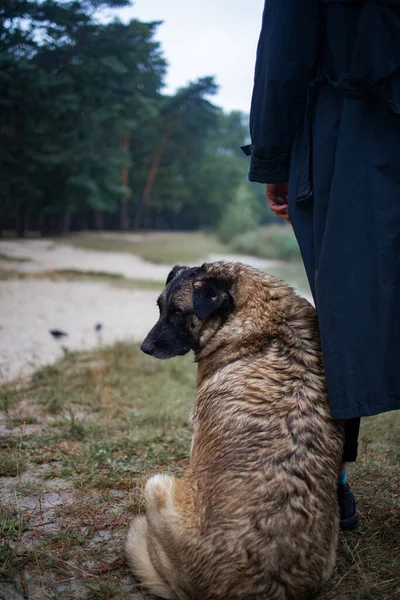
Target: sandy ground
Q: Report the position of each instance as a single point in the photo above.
(30, 308)
(45, 255)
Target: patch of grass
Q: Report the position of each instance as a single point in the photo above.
(11, 274)
(9, 258)
(274, 242)
(112, 417)
(20, 420)
(74, 275)
(369, 558)
(293, 273)
(110, 278)
(8, 395)
(159, 247)
(12, 462)
(106, 590)
(12, 525)
(26, 419)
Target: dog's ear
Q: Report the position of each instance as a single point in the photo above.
(210, 296)
(175, 271)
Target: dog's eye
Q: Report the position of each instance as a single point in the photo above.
(177, 312)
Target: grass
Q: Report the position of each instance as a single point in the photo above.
(112, 279)
(293, 273)
(162, 248)
(9, 258)
(273, 242)
(109, 419)
(11, 463)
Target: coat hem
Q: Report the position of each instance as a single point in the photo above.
(363, 412)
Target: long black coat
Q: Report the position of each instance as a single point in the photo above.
(325, 115)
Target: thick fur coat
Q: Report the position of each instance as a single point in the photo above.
(255, 517)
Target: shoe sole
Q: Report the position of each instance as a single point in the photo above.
(349, 523)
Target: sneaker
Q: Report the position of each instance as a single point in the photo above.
(348, 510)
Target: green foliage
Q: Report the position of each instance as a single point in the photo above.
(241, 215)
(86, 134)
(276, 242)
(69, 94)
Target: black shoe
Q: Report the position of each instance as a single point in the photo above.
(348, 510)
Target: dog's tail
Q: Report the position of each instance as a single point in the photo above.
(138, 556)
(149, 540)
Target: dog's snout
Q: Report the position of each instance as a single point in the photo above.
(147, 347)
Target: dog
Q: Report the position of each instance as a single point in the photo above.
(255, 516)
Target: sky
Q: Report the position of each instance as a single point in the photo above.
(207, 37)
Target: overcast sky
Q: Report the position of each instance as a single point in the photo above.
(207, 37)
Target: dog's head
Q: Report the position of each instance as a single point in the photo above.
(193, 300)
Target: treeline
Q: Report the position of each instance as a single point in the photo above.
(88, 139)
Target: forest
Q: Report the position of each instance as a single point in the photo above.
(89, 139)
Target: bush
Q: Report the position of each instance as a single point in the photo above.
(240, 216)
(275, 242)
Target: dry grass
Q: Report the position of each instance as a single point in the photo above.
(163, 248)
(79, 440)
(111, 279)
(9, 258)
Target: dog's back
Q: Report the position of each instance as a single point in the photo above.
(255, 516)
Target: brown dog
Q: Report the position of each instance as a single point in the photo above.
(255, 516)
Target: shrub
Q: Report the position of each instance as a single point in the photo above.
(275, 242)
(240, 216)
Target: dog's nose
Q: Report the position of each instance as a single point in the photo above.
(147, 347)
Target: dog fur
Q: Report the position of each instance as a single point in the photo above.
(255, 516)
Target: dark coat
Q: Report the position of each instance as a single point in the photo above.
(325, 115)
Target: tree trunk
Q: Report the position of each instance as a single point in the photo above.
(21, 220)
(42, 224)
(99, 219)
(124, 216)
(152, 174)
(66, 220)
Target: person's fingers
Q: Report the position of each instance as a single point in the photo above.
(277, 192)
(277, 199)
(280, 210)
(277, 208)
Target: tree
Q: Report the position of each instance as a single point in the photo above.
(187, 113)
(71, 95)
(88, 139)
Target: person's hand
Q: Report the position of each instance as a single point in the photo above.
(277, 198)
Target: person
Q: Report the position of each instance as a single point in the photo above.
(325, 138)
